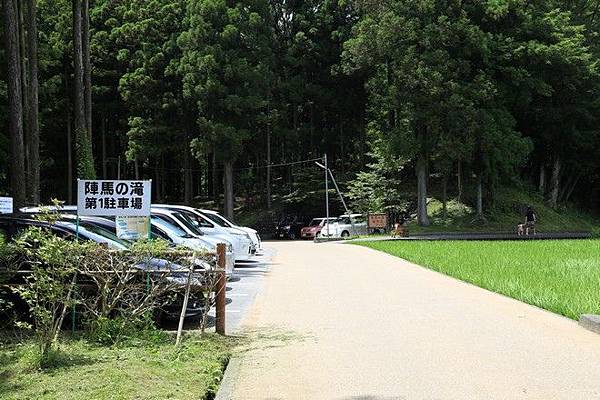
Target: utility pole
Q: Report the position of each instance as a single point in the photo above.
(326, 193)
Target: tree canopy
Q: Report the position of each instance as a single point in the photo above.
(217, 98)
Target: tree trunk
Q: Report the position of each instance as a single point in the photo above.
(569, 191)
(69, 159)
(542, 182)
(422, 217)
(136, 168)
(103, 130)
(480, 197)
(23, 54)
(33, 103)
(85, 160)
(444, 195)
(87, 67)
(555, 182)
(15, 105)
(215, 177)
(157, 183)
(459, 184)
(342, 149)
(163, 178)
(268, 166)
(187, 176)
(69, 140)
(228, 185)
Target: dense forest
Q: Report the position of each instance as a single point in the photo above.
(227, 100)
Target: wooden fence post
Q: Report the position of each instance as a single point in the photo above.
(221, 289)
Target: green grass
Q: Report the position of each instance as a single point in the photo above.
(562, 276)
(81, 370)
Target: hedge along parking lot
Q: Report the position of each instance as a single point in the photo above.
(562, 276)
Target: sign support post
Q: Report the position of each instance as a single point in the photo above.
(326, 193)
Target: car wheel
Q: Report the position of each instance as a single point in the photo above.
(345, 234)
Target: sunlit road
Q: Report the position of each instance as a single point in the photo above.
(339, 321)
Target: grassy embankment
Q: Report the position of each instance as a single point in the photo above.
(562, 276)
(137, 370)
(505, 215)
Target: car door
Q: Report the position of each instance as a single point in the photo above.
(360, 225)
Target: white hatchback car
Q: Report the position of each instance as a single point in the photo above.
(345, 226)
(243, 247)
(224, 222)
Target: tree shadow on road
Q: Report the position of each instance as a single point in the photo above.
(268, 337)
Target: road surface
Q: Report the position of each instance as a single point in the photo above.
(339, 321)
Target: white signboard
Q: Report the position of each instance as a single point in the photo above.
(113, 198)
(6, 205)
(133, 228)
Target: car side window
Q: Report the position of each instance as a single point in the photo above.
(167, 219)
(199, 220)
(359, 219)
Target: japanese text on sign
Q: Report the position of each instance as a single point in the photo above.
(377, 221)
(113, 198)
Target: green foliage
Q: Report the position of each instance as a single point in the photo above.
(558, 275)
(124, 331)
(49, 287)
(225, 69)
(144, 369)
(380, 187)
(85, 158)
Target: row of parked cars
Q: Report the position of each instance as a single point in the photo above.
(190, 227)
(293, 227)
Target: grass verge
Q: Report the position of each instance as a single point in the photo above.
(143, 370)
(562, 276)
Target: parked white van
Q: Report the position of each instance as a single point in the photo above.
(345, 226)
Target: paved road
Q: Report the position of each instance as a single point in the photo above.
(345, 322)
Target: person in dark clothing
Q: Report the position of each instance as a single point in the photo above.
(530, 219)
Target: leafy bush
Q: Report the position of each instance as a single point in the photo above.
(49, 287)
(119, 330)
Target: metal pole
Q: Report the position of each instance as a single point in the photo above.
(77, 214)
(150, 216)
(221, 289)
(343, 202)
(326, 193)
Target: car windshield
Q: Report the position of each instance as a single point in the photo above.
(188, 223)
(219, 220)
(169, 229)
(287, 220)
(106, 234)
(315, 222)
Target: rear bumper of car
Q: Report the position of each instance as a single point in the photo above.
(281, 233)
(307, 235)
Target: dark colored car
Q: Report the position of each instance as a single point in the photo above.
(12, 225)
(289, 227)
